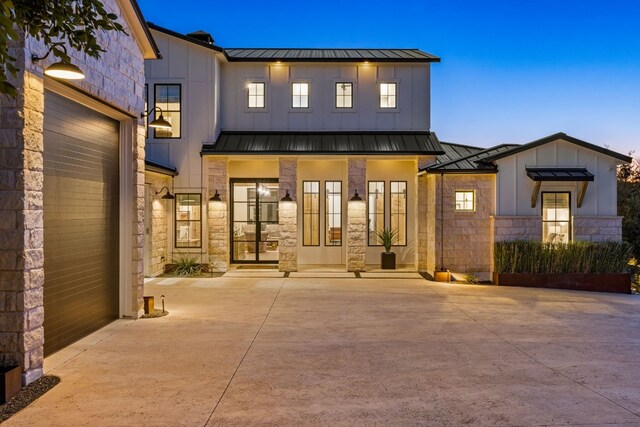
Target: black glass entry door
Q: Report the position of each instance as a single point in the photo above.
(254, 224)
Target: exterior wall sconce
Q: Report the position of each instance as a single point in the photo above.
(60, 69)
(167, 196)
(160, 122)
(215, 197)
(286, 198)
(356, 197)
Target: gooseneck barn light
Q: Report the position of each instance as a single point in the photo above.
(215, 197)
(167, 196)
(160, 122)
(60, 69)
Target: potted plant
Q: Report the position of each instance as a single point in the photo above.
(388, 238)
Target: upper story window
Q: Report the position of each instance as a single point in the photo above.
(465, 201)
(388, 97)
(344, 95)
(256, 95)
(300, 95)
(168, 97)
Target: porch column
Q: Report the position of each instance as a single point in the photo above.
(288, 216)
(422, 215)
(217, 214)
(356, 215)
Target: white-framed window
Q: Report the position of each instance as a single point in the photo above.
(465, 200)
(300, 95)
(256, 95)
(344, 95)
(556, 217)
(388, 95)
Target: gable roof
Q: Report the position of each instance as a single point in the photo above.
(473, 163)
(373, 143)
(454, 151)
(551, 138)
(328, 55)
(196, 41)
(133, 15)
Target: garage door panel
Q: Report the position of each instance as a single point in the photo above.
(81, 223)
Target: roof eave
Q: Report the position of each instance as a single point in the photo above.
(175, 34)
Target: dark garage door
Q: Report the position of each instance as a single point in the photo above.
(81, 190)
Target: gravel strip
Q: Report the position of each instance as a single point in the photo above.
(27, 395)
(156, 313)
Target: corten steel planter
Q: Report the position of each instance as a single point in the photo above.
(612, 282)
(10, 382)
(388, 260)
(442, 276)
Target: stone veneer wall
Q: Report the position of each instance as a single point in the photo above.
(288, 216)
(597, 228)
(356, 215)
(117, 78)
(506, 228)
(217, 214)
(158, 222)
(422, 223)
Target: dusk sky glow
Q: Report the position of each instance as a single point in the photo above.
(511, 71)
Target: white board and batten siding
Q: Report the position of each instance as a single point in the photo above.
(514, 187)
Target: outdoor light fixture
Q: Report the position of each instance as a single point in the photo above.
(356, 197)
(160, 122)
(167, 196)
(60, 69)
(215, 197)
(286, 198)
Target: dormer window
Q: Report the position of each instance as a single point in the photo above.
(388, 95)
(300, 95)
(255, 95)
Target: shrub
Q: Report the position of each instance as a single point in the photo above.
(523, 256)
(187, 265)
(471, 278)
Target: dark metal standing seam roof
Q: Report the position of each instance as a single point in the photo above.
(473, 163)
(328, 55)
(559, 174)
(456, 151)
(160, 168)
(422, 143)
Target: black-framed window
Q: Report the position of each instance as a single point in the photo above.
(398, 214)
(375, 212)
(344, 95)
(146, 109)
(188, 220)
(168, 97)
(300, 95)
(256, 95)
(465, 200)
(388, 95)
(311, 213)
(333, 213)
(556, 217)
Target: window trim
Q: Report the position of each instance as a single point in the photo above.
(474, 201)
(406, 212)
(396, 84)
(304, 214)
(326, 215)
(569, 221)
(384, 210)
(155, 85)
(175, 221)
(301, 109)
(264, 95)
(335, 101)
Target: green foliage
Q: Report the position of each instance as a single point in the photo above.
(187, 265)
(388, 238)
(471, 278)
(629, 204)
(75, 22)
(523, 256)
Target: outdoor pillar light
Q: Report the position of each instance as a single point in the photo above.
(60, 69)
(286, 198)
(356, 197)
(160, 122)
(215, 197)
(167, 196)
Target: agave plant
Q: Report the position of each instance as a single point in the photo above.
(187, 265)
(387, 237)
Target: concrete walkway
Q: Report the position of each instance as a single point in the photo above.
(336, 351)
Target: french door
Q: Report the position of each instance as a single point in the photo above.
(254, 220)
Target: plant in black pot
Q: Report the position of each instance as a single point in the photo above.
(388, 238)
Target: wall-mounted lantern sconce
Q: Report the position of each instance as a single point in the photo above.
(60, 69)
(167, 196)
(356, 197)
(215, 197)
(160, 122)
(286, 198)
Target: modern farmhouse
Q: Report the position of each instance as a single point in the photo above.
(299, 157)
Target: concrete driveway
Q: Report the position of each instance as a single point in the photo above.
(290, 351)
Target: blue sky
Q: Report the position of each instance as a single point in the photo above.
(511, 71)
